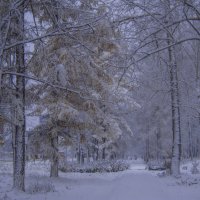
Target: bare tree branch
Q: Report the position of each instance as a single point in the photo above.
(166, 47)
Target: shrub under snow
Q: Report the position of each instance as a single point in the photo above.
(194, 169)
(100, 166)
(40, 187)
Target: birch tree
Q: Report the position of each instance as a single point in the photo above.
(158, 30)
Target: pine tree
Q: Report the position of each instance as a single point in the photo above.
(79, 64)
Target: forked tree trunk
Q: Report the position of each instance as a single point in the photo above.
(19, 132)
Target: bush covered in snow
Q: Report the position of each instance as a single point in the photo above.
(100, 166)
(40, 187)
(188, 180)
(156, 165)
(194, 169)
(5, 197)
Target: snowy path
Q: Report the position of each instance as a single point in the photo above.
(134, 184)
(130, 186)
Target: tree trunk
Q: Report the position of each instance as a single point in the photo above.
(78, 154)
(190, 139)
(97, 150)
(88, 155)
(54, 159)
(19, 132)
(147, 151)
(82, 157)
(175, 107)
(104, 149)
(79, 150)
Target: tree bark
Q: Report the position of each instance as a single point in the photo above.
(190, 140)
(175, 107)
(54, 159)
(19, 132)
(147, 151)
(104, 149)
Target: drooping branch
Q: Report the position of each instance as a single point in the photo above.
(68, 30)
(54, 86)
(40, 80)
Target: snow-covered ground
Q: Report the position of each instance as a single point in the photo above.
(134, 184)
